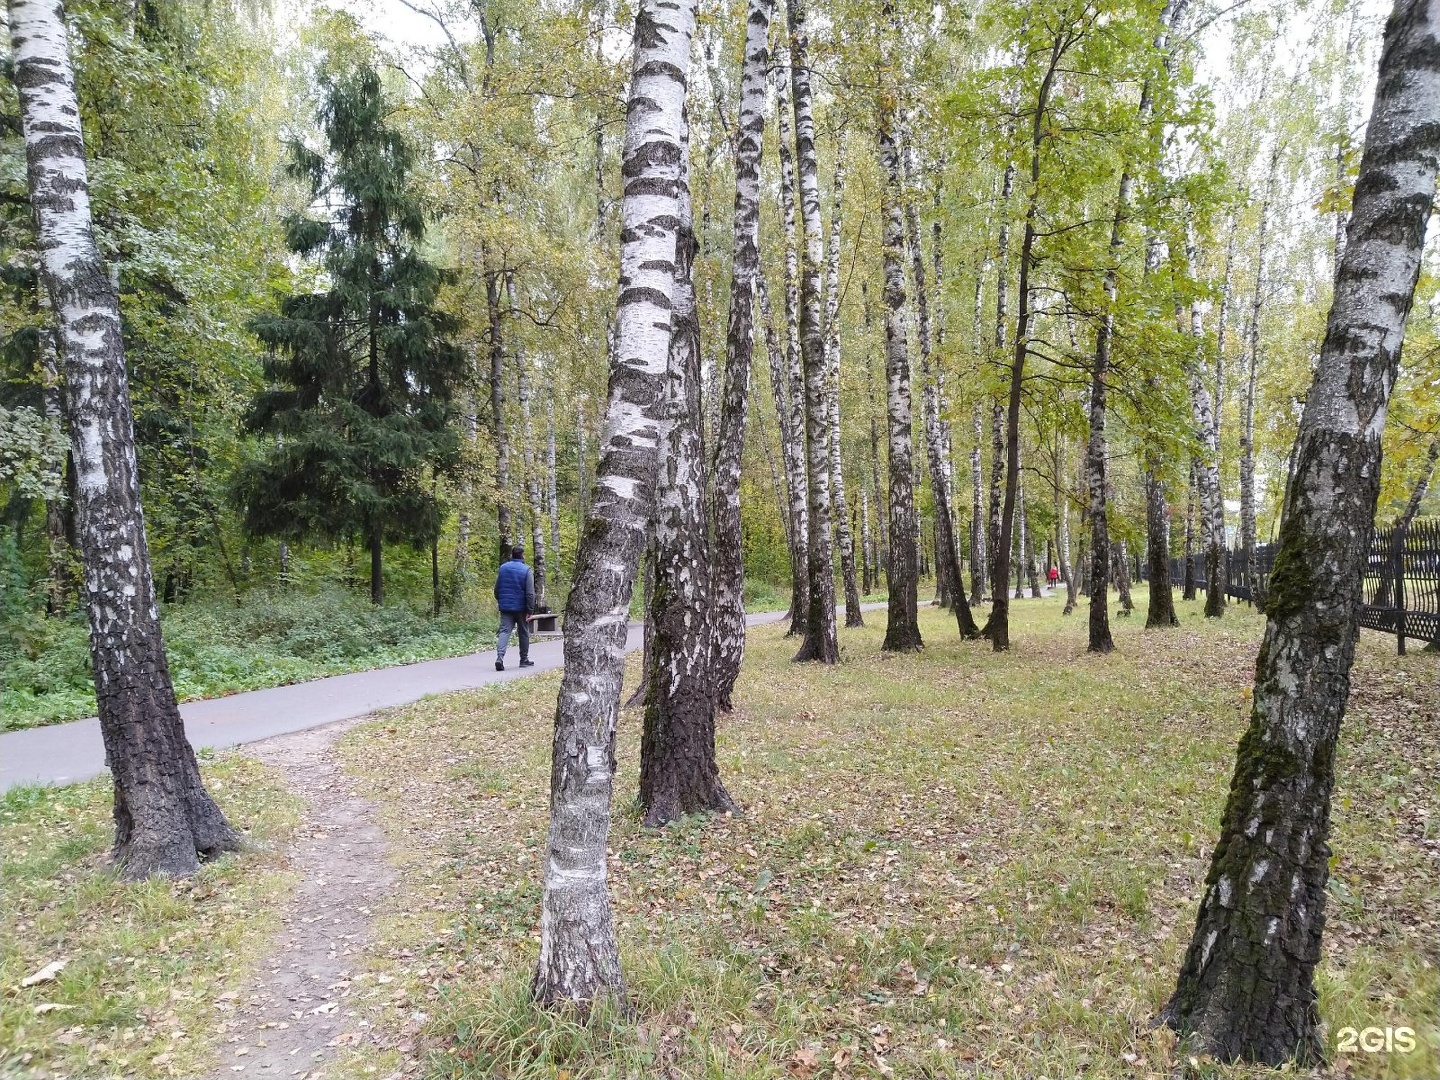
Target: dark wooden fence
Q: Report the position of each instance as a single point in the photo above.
(1401, 593)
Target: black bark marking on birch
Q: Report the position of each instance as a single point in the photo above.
(1246, 989)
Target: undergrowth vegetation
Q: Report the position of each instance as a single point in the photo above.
(146, 970)
(216, 647)
(952, 864)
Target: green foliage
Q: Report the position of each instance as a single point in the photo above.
(362, 374)
(216, 648)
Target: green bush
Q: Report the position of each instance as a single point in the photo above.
(216, 648)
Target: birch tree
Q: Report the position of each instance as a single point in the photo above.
(843, 533)
(1246, 989)
(579, 960)
(165, 820)
(678, 771)
(820, 642)
(728, 595)
(902, 629)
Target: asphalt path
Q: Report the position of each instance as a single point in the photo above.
(69, 753)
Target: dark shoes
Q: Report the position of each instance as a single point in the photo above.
(499, 665)
(527, 663)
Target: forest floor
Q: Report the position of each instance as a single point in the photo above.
(960, 864)
(950, 864)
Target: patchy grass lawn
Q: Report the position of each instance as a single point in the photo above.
(953, 864)
(150, 968)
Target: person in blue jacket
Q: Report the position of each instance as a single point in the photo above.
(515, 594)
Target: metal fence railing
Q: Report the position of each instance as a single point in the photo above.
(1401, 588)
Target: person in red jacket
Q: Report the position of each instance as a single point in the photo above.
(1054, 576)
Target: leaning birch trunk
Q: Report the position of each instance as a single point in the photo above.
(795, 374)
(902, 630)
(727, 564)
(843, 532)
(527, 458)
(165, 820)
(579, 960)
(1246, 990)
(678, 771)
(1386, 596)
(820, 641)
(1122, 577)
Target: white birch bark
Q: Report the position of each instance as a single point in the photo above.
(579, 960)
(165, 820)
(843, 533)
(1246, 990)
(728, 623)
(820, 642)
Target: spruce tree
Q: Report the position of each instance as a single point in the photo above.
(361, 374)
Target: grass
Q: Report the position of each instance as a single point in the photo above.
(215, 648)
(151, 967)
(953, 864)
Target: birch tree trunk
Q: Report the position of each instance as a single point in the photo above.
(1161, 610)
(165, 820)
(999, 557)
(1121, 572)
(527, 457)
(977, 516)
(902, 629)
(820, 641)
(881, 555)
(1000, 612)
(579, 960)
(551, 484)
(1246, 990)
(843, 532)
(1062, 519)
(1189, 593)
(498, 430)
(728, 619)
(947, 562)
(866, 540)
(678, 771)
(795, 376)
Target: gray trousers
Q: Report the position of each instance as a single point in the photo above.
(513, 620)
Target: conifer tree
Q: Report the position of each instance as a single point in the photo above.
(362, 373)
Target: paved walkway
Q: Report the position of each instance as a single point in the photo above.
(69, 753)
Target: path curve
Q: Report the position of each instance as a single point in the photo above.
(69, 753)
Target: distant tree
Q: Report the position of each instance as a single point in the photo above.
(362, 373)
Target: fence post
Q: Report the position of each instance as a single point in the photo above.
(1398, 572)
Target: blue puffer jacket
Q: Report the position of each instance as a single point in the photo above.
(514, 587)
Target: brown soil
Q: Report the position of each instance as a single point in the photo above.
(294, 1016)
